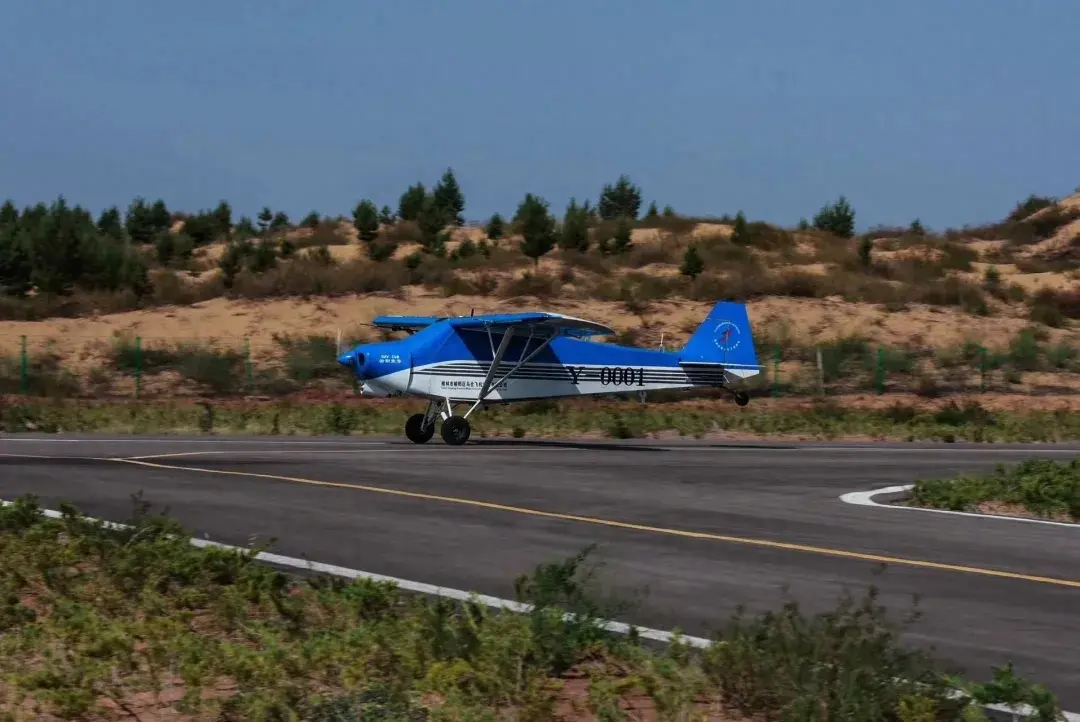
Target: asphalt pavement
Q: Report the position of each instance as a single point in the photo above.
(702, 528)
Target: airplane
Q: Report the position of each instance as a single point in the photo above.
(507, 357)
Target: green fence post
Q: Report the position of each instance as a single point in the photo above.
(24, 368)
(138, 366)
(880, 371)
(776, 371)
(982, 369)
(247, 363)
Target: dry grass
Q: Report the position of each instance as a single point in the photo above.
(790, 321)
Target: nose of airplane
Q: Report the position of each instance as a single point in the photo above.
(351, 359)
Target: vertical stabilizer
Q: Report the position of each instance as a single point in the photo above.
(724, 337)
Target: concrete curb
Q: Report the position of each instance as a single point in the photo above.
(885, 497)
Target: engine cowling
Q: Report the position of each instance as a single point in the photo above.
(368, 389)
(379, 368)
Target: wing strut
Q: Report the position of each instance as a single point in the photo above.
(505, 344)
(485, 391)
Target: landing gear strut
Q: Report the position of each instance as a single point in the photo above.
(455, 430)
(419, 429)
(741, 397)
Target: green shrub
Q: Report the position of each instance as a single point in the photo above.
(99, 616)
(1044, 487)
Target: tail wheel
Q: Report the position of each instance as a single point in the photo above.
(455, 431)
(415, 431)
(742, 398)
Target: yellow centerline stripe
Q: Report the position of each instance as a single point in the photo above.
(789, 546)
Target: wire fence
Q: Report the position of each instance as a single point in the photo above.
(154, 367)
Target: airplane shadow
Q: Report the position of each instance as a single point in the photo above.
(615, 446)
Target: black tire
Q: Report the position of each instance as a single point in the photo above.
(742, 398)
(455, 430)
(415, 431)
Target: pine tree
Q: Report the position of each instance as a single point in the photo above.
(60, 243)
(620, 200)
(223, 215)
(866, 249)
(496, 227)
(380, 252)
(16, 262)
(204, 228)
(692, 264)
(386, 216)
(140, 223)
(109, 223)
(264, 256)
(280, 222)
(739, 234)
(366, 220)
(622, 239)
(9, 214)
(184, 247)
(159, 216)
(838, 219)
(245, 228)
(266, 217)
(537, 227)
(449, 198)
(311, 220)
(287, 247)
(574, 235)
(232, 260)
(669, 212)
(411, 202)
(432, 222)
(165, 248)
(652, 212)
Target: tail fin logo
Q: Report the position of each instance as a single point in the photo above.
(726, 336)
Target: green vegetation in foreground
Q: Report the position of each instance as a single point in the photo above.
(1043, 487)
(94, 616)
(950, 422)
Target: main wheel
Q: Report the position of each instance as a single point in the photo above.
(742, 398)
(415, 431)
(455, 430)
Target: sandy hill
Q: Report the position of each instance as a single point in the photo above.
(909, 290)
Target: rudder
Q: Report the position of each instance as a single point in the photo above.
(724, 337)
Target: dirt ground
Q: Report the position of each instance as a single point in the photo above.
(787, 321)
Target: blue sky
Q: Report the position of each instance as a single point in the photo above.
(950, 110)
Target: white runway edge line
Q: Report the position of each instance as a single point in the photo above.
(658, 635)
(866, 498)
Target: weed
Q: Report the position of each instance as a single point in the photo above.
(98, 616)
(1043, 487)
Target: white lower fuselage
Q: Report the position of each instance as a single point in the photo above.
(464, 380)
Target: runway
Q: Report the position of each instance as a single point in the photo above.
(705, 527)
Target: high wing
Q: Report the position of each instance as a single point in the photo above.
(535, 324)
(406, 323)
